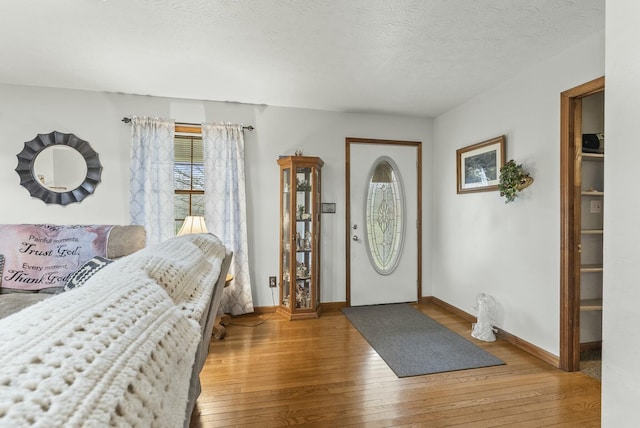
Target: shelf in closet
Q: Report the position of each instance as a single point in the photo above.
(592, 231)
(591, 268)
(592, 156)
(592, 193)
(591, 305)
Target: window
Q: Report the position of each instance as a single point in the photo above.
(188, 173)
(385, 208)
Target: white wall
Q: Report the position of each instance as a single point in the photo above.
(510, 251)
(95, 117)
(621, 341)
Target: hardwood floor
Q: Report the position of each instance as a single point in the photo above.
(323, 373)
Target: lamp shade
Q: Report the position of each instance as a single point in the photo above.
(193, 224)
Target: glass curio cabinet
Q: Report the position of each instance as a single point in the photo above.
(300, 182)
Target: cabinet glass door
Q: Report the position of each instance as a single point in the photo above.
(285, 233)
(303, 239)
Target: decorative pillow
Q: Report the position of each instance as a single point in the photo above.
(38, 256)
(85, 271)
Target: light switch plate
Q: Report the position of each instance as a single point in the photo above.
(596, 206)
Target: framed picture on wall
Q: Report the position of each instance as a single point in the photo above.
(478, 166)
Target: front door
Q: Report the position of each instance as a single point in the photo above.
(383, 236)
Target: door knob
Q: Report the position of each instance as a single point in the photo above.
(354, 227)
(355, 237)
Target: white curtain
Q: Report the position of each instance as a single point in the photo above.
(151, 201)
(225, 207)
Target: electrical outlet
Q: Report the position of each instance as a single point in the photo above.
(272, 282)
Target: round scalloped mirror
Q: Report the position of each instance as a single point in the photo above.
(59, 168)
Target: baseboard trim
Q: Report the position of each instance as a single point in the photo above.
(333, 306)
(264, 310)
(459, 312)
(502, 334)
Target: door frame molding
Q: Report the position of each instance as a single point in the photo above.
(348, 142)
(570, 181)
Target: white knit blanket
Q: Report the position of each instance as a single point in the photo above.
(117, 351)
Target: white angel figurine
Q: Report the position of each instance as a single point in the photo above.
(483, 329)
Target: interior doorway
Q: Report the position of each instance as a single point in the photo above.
(571, 129)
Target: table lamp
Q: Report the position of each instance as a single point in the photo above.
(193, 224)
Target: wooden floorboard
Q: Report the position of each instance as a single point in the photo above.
(271, 372)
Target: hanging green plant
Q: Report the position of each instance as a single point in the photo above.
(512, 180)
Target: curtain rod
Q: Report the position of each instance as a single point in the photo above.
(248, 128)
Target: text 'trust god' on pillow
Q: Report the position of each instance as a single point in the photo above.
(85, 271)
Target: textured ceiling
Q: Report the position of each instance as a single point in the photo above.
(419, 57)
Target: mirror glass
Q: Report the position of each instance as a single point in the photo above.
(59, 168)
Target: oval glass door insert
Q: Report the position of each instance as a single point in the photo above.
(384, 215)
